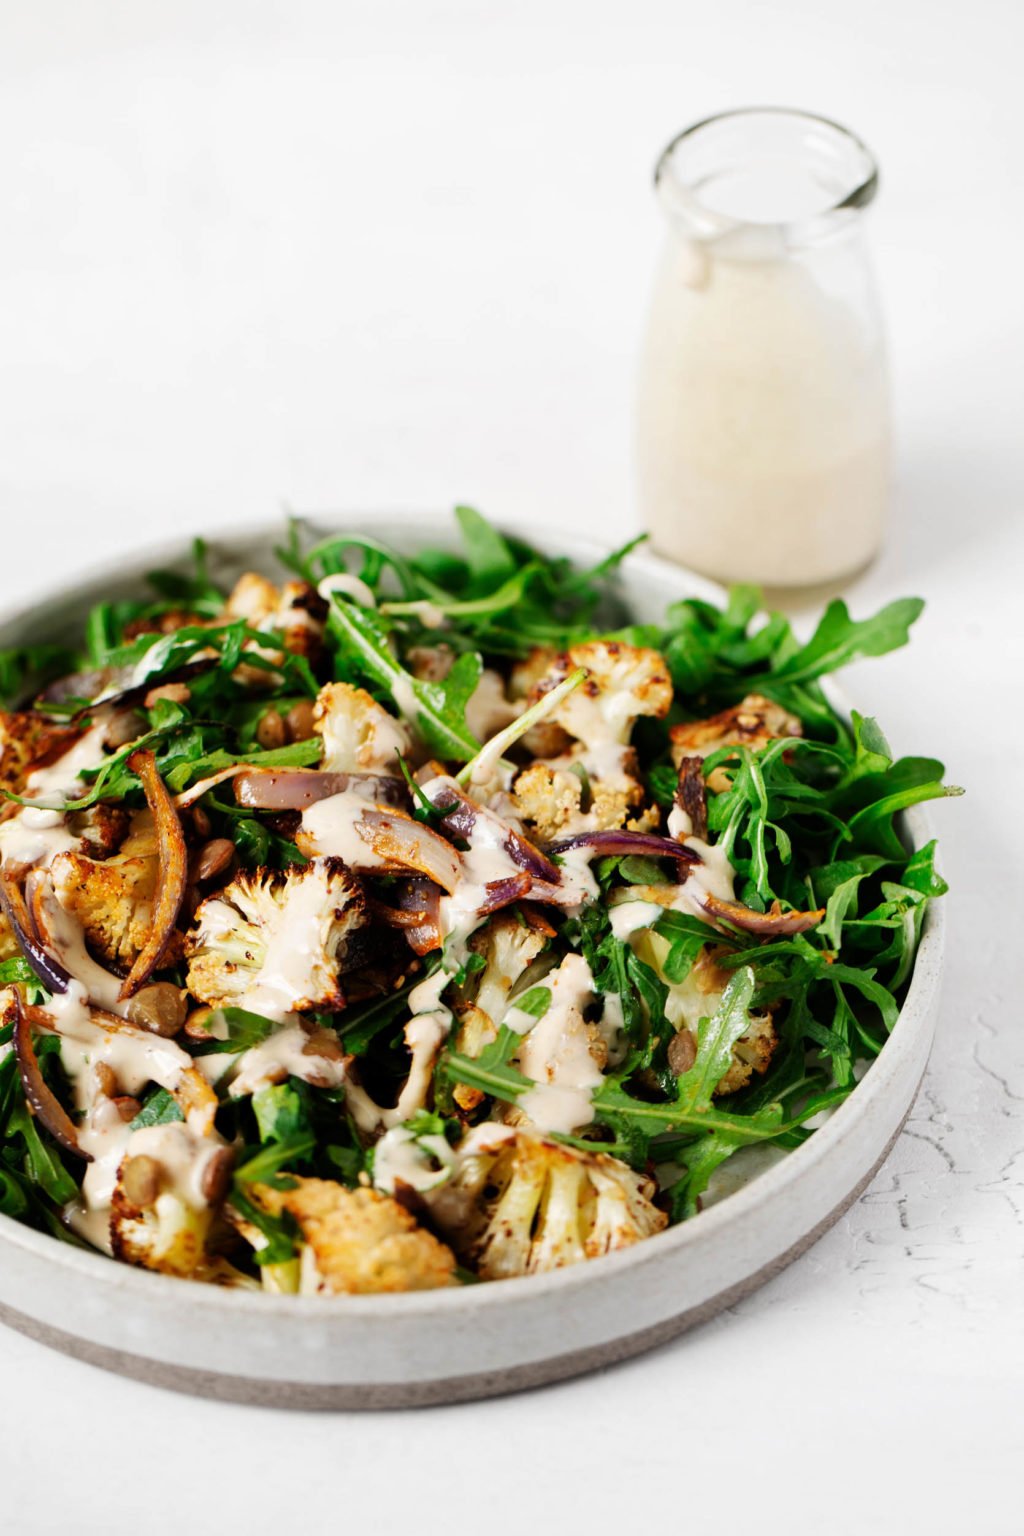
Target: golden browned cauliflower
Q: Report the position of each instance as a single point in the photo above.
(295, 612)
(508, 947)
(28, 741)
(358, 1241)
(252, 598)
(546, 738)
(273, 940)
(112, 898)
(358, 734)
(169, 1183)
(753, 723)
(698, 997)
(553, 801)
(623, 682)
(518, 1203)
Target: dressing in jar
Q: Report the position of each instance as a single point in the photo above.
(763, 413)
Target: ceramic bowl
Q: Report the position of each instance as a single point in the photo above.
(445, 1346)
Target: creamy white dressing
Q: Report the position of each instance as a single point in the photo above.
(182, 1154)
(612, 1026)
(284, 1054)
(556, 1053)
(424, 1035)
(295, 944)
(577, 875)
(604, 761)
(421, 1162)
(629, 917)
(135, 1058)
(680, 823)
(599, 722)
(404, 695)
(714, 875)
(66, 938)
(334, 828)
(486, 860)
(38, 832)
(425, 997)
(763, 413)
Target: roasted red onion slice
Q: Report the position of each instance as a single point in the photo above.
(114, 686)
(772, 924)
(691, 794)
(464, 818)
(173, 872)
(401, 843)
(53, 975)
(423, 898)
(502, 893)
(613, 843)
(293, 789)
(42, 1100)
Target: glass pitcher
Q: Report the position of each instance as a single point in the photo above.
(763, 413)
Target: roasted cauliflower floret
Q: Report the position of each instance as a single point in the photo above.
(295, 611)
(508, 946)
(623, 683)
(546, 738)
(252, 598)
(547, 800)
(162, 1208)
(273, 941)
(753, 723)
(358, 1241)
(358, 734)
(28, 741)
(113, 898)
(517, 1204)
(752, 1053)
(553, 800)
(696, 998)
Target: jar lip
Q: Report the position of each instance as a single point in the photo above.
(863, 171)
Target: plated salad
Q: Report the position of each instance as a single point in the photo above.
(413, 920)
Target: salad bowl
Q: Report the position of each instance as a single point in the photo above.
(380, 1351)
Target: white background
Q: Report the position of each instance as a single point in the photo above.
(391, 255)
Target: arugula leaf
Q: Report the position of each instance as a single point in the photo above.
(535, 1002)
(159, 1109)
(241, 1031)
(489, 1072)
(437, 708)
(488, 556)
(716, 1037)
(197, 592)
(17, 970)
(838, 639)
(26, 669)
(281, 1114)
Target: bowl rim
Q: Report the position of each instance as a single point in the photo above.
(233, 540)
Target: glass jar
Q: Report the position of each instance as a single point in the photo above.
(763, 416)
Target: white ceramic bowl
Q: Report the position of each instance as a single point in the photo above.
(443, 1346)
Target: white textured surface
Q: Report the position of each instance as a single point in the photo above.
(394, 255)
